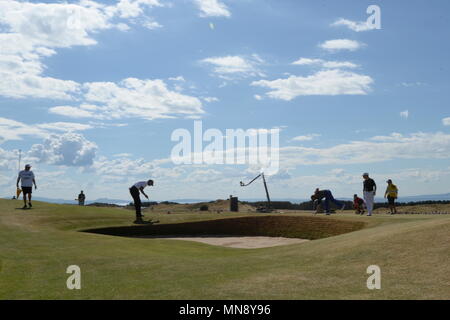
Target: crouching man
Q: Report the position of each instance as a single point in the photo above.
(321, 194)
(358, 205)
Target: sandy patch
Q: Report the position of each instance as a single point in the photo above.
(236, 242)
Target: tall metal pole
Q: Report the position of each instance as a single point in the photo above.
(20, 157)
(267, 193)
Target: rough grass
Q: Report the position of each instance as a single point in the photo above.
(36, 247)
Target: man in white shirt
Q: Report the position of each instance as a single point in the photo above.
(134, 191)
(369, 191)
(27, 178)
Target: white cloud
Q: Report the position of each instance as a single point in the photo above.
(73, 112)
(204, 176)
(64, 126)
(357, 26)
(36, 87)
(337, 172)
(307, 137)
(328, 82)
(9, 159)
(339, 64)
(324, 63)
(413, 84)
(446, 121)
(258, 97)
(21, 78)
(131, 8)
(149, 99)
(212, 8)
(404, 114)
(377, 149)
(123, 155)
(229, 67)
(307, 61)
(341, 44)
(125, 169)
(123, 27)
(420, 175)
(210, 99)
(179, 78)
(15, 130)
(31, 31)
(68, 149)
(152, 25)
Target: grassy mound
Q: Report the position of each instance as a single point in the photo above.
(36, 247)
(270, 226)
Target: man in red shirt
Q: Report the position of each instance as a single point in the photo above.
(358, 204)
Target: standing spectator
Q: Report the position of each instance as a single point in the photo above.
(358, 204)
(321, 194)
(391, 194)
(134, 191)
(370, 190)
(81, 198)
(27, 178)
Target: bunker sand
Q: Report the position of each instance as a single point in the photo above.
(236, 242)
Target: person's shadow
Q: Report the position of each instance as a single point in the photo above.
(149, 222)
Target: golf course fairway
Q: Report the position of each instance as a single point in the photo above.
(38, 245)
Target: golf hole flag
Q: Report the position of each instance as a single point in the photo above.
(18, 192)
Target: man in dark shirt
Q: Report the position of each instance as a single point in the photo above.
(81, 198)
(370, 190)
(134, 191)
(321, 194)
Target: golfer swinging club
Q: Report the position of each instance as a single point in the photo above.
(27, 178)
(134, 191)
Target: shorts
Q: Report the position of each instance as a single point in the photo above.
(391, 200)
(27, 190)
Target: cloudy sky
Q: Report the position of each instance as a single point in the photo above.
(91, 92)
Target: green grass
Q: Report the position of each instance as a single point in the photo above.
(36, 247)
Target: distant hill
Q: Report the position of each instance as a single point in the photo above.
(435, 197)
(100, 200)
(187, 200)
(293, 200)
(420, 198)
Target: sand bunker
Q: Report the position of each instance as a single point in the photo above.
(236, 242)
(249, 232)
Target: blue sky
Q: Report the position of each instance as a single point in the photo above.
(91, 91)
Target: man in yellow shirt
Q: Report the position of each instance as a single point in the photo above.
(391, 194)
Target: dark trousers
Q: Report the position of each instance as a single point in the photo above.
(137, 201)
(329, 197)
